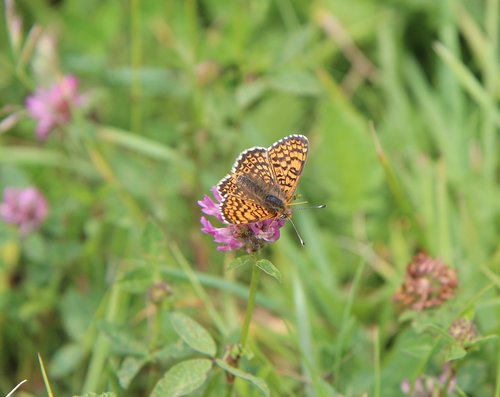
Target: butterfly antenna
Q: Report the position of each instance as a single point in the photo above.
(303, 208)
(297, 232)
(310, 207)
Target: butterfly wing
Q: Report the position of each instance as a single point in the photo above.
(239, 211)
(254, 162)
(287, 158)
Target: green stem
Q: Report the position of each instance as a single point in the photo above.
(254, 282)
(376, 362)
(198, 288)
(397, 190)
(136, 55)
(497, 385)
(252, 294)
(490, 79)
(45, 378)
(101, 345)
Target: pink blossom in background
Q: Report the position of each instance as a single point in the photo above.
(51, 107)
(251, 237)
(24, 207)
(429, 386)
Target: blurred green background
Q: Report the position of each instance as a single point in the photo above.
(175, 90)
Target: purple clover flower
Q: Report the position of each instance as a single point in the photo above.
(251, 237)
(26, 208)
(426, 386)
(51, 107)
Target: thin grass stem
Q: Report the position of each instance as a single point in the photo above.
(254, 282)
(376, 363)
(101, 346)
(198, 288)
(45, 377)
(396, 189)
(20, 383)
(136, 83)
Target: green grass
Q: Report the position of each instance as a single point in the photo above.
(400, 104)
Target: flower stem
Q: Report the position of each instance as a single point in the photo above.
(252, 294)
(250, 305)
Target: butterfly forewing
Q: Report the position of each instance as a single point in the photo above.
(287, 157)
(252, 162)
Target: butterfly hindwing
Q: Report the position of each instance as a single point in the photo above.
(238, 210)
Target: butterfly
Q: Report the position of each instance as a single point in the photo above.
(263, 181)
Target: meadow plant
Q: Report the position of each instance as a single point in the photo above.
(428, 283)
(431, 386)
(251, 237)
(463, 330)
(24, 207)
(52, 107)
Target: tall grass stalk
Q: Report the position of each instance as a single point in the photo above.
(252, 294)
(100, 348)
(136, 62)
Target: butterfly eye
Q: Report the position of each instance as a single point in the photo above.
(275, 203)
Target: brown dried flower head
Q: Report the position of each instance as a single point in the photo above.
(463, 330)
(428, 283)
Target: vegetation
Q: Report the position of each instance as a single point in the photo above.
(123, 115)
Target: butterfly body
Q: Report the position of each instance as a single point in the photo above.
(268, 196)
(263, 181)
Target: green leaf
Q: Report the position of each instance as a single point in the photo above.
(267, 267)
(296, 82)
(45, 158)
(129, 368)
(122, 341)
(455, 352)
(92, 394)
(66, 360)
(183, 378)
(354, 179)
(193, 334)
(259, 383)
(248, 93)
(77, 310)
(137, 280)
(481, 339)
(467, 79)
(154, 81)
(175, 351)
(262, 121)
(139, 144)
(152, 239)
(240, 262)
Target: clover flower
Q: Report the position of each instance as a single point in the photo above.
(25, 208)
(251, 237)
(51, 107)
(430, 386)
(428, 283)
(463, 330)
